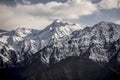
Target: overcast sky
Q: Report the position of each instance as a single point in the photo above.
(37, 14)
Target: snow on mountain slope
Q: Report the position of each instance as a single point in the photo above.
(27, 42)
(100, 39)
(58, 41)
(56, 32)
(99, 43)
(8, 56)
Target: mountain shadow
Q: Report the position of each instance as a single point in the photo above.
(70, 68)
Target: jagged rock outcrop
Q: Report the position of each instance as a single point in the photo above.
(61, 51)
(60, 40)
(100, 43)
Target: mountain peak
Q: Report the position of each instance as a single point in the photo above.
(58, 20)
(104, 24)
(21, 32)
(101, 23)
(58, 23)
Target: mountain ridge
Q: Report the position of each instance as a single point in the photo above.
(26, 42)
(60, 40)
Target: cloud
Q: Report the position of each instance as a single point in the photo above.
(10, 18)
(109, 4)
(109, 15)
(39, 15)
(26, 1)
(117, 22)
(74, 9)
(59, 10)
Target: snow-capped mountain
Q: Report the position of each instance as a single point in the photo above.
(99, 43)
(58, 41)
(26, 42)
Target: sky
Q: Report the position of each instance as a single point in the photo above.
(37, 14)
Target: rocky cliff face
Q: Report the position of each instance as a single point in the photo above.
(99, 43)
(61, 51)
(26, 42)
(58, 41)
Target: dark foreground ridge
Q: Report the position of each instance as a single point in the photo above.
(71, 68)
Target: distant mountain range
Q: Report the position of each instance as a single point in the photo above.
(34, 52)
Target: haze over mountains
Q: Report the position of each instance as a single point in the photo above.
(61, 48)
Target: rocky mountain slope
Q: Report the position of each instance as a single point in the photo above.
(70, 68)
(78, 68)
(26, 42)
(99, 43)
(32, 54)
(58, 41)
